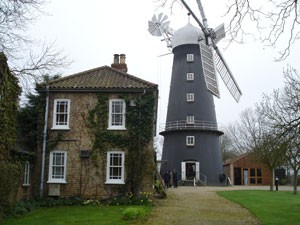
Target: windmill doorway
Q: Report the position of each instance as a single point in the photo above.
(190, 170)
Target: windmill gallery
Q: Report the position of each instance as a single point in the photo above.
(191, 135)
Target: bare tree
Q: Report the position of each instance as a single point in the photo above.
(253, 134)
(275, 20)
(227, 148)
(282, 110)
(243, 133)
(272, 22)
(15, 17)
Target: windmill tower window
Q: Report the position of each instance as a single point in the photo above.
(190, 119)
(190, 97)
(190, 57)
(190, 76)
(190, 140)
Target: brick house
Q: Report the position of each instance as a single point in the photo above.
(100, 129)
(246, 170)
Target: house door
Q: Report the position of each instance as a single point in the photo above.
(237, 176)
(245, 177)
(190, 170)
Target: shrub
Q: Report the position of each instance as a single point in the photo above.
(133, 213)
(144, 198)
(23, 207)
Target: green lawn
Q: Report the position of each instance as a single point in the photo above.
(75, 215)
(271, 208)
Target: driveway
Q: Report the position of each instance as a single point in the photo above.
(200, 206)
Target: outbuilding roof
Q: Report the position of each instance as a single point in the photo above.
(103, 78)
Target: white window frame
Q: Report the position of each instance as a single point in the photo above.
(189, 76)
(65, 126)
(190, 57)
(26, 178)
(109, 176)
(111, 126)
(190, 97)
(51, 178)
(190, 140)
(190, 119)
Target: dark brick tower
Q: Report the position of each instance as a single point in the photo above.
(191, 136)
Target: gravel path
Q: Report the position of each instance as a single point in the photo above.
(199, 206)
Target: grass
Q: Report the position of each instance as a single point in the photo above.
(76, 215)
(271, 208)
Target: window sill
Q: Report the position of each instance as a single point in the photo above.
(60, 128)
(56, 182)
(26, 185)
(116, 128)
(114, 182)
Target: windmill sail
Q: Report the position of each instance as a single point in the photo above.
(209, 69)
(226, 75)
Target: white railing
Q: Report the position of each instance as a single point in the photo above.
(183, 125)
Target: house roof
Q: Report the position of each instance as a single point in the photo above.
(101, 78)
(236, 158)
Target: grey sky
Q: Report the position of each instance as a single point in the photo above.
(91, 31)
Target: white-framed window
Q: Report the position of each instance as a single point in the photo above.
(190, 97)
(61, 114)
(115, 167)
(190, 119)
(117, 110)
(190, 140)
(189, 76)
(57, 167)
(190, 57)
(26, 178)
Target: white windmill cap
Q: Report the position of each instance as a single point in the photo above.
(188, 34)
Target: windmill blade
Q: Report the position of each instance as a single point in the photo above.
(226, 75)
(203, 28)
(162, 18)
(202, 13)
(159, 26)
(154, 29)
(209, 69)
(219, 32)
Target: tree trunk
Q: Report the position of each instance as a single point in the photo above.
(271, 179)
(295, 181)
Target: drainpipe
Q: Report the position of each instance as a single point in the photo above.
(44, 141)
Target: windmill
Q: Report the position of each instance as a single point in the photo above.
(159, 26)
(191, 135)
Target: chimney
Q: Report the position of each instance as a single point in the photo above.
(119, 63)
(116, 59)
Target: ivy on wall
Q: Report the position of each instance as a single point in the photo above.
(10, 169)
(134, 141)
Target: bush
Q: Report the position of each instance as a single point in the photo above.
(145, 198)
(133, 213)
(23, 207)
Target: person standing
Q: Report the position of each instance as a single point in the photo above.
(175, 178)
(167, 179)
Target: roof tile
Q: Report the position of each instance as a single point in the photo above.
(103, 77)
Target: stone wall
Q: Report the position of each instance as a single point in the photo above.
(85, 176)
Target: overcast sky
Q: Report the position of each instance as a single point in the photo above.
(91, 31)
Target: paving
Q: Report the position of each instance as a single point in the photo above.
(202, 206)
